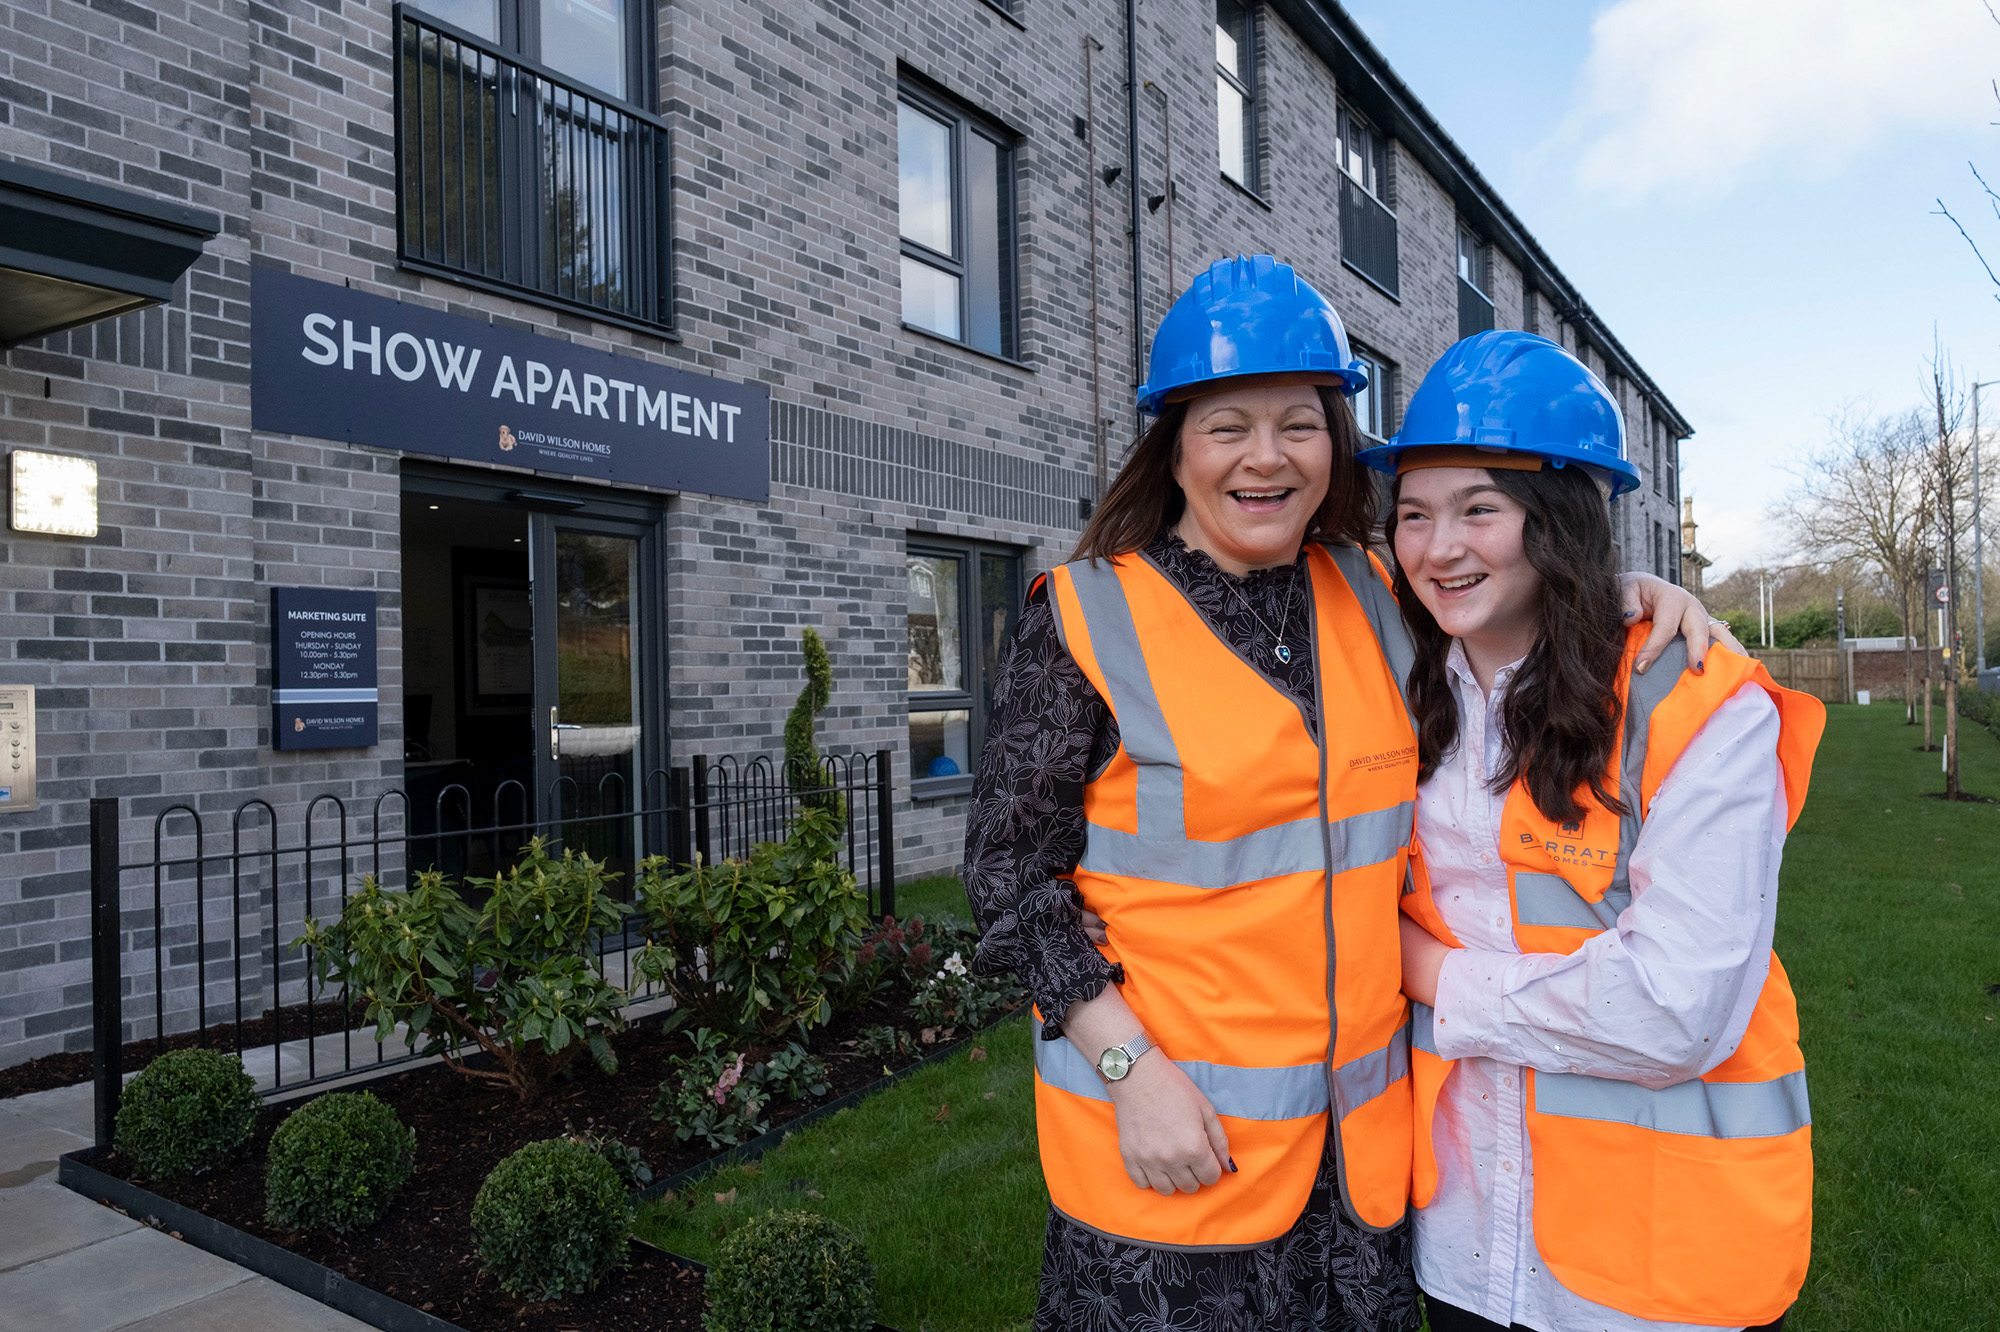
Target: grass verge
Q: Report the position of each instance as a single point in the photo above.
(941, 894)
(938, 1175)
(1890, 930)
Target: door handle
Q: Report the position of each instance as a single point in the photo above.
(555, 734)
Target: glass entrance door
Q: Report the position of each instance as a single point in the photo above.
(590, 671)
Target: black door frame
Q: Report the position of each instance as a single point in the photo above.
(550, 505)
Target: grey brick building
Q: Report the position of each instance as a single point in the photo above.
(904, 233)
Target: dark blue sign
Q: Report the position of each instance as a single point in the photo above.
(339, 364)
(322, 668)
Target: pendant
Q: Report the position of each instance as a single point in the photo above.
(1283, 654)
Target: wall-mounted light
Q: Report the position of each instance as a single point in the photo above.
(54, 493)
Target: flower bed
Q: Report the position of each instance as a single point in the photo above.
(421, 1253)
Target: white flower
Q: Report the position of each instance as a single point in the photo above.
(955, 965)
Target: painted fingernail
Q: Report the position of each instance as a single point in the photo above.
(1630, 614)
(1232, 1165)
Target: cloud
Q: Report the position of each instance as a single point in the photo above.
(1699, 94)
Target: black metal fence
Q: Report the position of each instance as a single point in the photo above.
(192, 930)
(511, 175)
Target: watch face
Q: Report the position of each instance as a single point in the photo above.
(1114, 1063)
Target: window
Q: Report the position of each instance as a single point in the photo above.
(1371, 405)
(552, 185)
(1367, 226)
(1658, 431)
(956, 183)
(1235, 96)
(1475, 284)
(963, 599)
(1531, 311)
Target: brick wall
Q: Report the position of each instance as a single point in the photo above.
(150, 644)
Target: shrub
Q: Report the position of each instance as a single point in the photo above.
(791, 1272)
(954, 998)
(711, 1095)
(793, 1074)
(802, 765)
(755, 949)
(627, 1161)
(515, 977)
(186, 1111)
(336, 1163)
(552, 1220)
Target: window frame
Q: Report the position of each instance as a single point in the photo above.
(1245, 85)
(972, 698)
(1346, 120)
(1381, 382)
(1480, 260)
(520, 36)
(962, 120)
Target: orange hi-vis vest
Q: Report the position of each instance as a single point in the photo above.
(1248, 874)
(1693, 1203)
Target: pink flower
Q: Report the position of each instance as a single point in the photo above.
(730, 1077)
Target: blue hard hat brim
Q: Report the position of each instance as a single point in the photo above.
(1153, 399)
(1622, 476)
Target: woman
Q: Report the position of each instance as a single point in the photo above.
(1612, 1130)
(1197, 735)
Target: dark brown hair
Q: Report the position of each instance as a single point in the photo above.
(1561, 715)
(1144, 497)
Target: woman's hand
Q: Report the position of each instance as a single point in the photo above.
(1168, 1135)
(1673, 611)
(1093, 928)
(1423, 959)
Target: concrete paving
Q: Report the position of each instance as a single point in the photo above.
(70, 1265)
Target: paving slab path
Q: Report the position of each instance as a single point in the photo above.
(68, 1264)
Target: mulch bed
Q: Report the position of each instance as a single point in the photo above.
(71, 1067)
(422, 1252)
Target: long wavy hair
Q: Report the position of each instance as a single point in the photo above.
(1144, 497)
(1561, 713)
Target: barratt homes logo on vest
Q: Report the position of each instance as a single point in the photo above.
(1575, 853)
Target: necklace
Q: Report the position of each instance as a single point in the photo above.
(1282, 652)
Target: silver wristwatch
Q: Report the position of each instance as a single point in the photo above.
(1116, 1062)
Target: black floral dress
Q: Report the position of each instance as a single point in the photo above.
(1049, 732)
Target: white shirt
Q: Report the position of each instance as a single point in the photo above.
(1662, 998)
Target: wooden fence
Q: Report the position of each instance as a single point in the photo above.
(1821, 672)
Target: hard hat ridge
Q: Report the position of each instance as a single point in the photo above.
(1248, 316)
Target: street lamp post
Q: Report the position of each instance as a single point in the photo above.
(1978, 535)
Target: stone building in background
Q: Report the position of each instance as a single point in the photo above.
(588, 350)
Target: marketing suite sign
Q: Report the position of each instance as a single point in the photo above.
(339, 364)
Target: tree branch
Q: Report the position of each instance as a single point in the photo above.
(1945, 213)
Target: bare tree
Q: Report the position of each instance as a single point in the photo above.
(1950, 474)
(1864, 497)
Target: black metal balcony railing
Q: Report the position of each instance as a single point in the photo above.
(1475, 312)
(1368, 236)
(515, 178)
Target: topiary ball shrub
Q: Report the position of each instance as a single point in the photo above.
(552, 1220)
(791, 1272)
(336, 1163)
(186, 1111)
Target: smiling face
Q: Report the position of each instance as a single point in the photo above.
(1459, 540)
(1254, 465)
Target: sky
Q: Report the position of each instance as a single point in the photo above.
(1745, 192)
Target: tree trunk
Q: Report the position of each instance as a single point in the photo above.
(1909, 663)
(1951, 731)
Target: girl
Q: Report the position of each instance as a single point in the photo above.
(1612, 1126)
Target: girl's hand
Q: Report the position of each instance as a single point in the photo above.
(1093, 928)
(1168, 1135)
(1673, 611)
(1423, 958)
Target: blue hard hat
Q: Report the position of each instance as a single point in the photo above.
(1250, 315)
(1511, 392)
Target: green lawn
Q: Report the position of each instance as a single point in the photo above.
(1889, 927)
(941, 894)
(938, 1176)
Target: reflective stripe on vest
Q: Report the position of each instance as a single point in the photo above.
(1695, 1109)
(1239, 1093)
